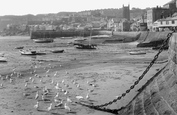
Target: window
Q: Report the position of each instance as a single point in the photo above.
(167, 22)
(161, 22)
(173, 22)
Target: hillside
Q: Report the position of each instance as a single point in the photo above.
(111, 12)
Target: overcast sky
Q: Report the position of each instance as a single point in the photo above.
(22, 7)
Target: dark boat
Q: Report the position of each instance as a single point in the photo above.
(85, 46)
(57, 51)
(20, 47)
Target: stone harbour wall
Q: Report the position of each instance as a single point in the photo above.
(159, 95)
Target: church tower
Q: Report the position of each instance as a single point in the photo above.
(126, 12)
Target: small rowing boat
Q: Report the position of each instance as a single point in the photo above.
(43, 40)
(3, 59)
(57, 51)
(137, 53)
(28, 52)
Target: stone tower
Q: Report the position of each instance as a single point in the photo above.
(126, 12)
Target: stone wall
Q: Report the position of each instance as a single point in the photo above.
(159, 94)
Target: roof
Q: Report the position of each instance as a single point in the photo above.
(168, 19)
(172, 1)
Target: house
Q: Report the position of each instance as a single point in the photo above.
(124, 25)
(157, 13)
(168, 23)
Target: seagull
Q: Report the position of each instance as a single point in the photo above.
(62, 90)
(87, 96)
(69, 100)
(37, 95)
(88, 82)
(47, 75)
(57, 86)
(36, 86)
(35, 75)
(90, 90)
(14, 70)
(45, 90)
(66, 85)
(40, 80)
(67, 107)
(26, 84)
(66, 92)
(7, 77)
(26, 94)
(32, 80)
(37, 105)
(50, 107)
(34, 71)
(11, 74)
(55, 73)
(78, 86)
(56, 100)
(74, 82)
(57, 95)
(52, 81)
(11, 80)
(63, 81)
(67, 72)
(1, 85)
(79, 97)
(59, 104)
(48, 71)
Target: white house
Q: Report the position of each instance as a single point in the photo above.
(170, 22)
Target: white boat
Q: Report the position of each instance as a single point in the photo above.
(137, 52)
(29, 52)
(43, 40)
(3, 59)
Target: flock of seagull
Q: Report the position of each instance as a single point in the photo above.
(58, 95)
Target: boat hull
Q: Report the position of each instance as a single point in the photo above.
(43, 40)
(31, 53)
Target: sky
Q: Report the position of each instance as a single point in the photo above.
(23, 7)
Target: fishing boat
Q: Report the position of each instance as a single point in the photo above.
(43, 40)
(85, 46)
(29, 52)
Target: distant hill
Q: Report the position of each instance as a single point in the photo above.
(111, 12)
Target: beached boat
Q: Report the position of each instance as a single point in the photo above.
(57, 51)
(137, 52)
(85, 46)
(44, 40)
(29, 52)
(3, 59)
(19, 47)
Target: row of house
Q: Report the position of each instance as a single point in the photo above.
(162, 18)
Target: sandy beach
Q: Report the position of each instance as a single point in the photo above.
(106, 72)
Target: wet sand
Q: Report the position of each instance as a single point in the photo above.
(110, 68)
